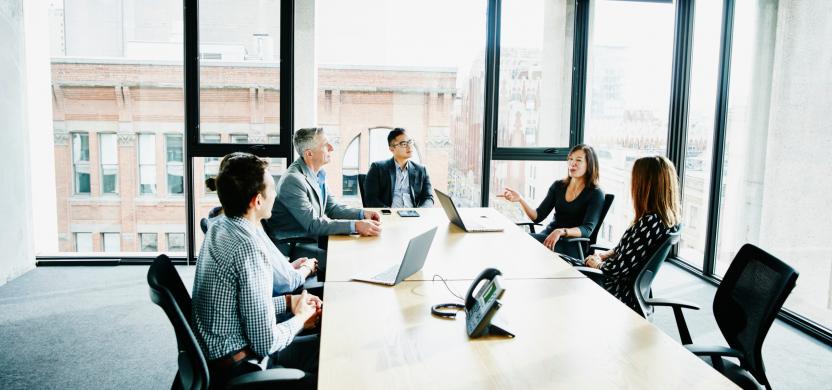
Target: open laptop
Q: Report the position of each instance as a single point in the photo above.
(414, 259)
(472, 223)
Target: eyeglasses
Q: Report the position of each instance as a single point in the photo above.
(404, 144)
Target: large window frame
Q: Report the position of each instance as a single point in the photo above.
(676, 140)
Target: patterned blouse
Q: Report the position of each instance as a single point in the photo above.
(632, 252)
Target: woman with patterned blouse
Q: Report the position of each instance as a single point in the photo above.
(655, 193)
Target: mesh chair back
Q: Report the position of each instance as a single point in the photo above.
(361, 178)
(167, 291)
(608, 198)
(645, 277)
(746, 303)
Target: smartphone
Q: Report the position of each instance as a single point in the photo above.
(407, 213)
(385, 211)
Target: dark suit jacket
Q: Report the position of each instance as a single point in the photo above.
(382, 176)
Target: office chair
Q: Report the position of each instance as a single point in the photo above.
(645, 276)
(361, 178)
(745, 305)
(168, 292)
(583, 242)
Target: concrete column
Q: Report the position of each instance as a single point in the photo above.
(16, 237)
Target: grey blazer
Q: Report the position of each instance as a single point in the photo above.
(300, 211)
(379, 184)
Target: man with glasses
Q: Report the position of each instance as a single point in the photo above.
(305, 207)
(398, 182)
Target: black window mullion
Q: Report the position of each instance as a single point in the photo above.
(677, 132)
(287, 79)
(492, 70)
(191, 77)
(720, 122)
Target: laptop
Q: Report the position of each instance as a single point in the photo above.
(414, 259)
(472, 223)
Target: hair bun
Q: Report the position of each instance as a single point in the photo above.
(211, 183)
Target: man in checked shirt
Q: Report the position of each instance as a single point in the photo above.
(234, 313)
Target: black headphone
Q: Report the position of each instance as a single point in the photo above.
(436, 310)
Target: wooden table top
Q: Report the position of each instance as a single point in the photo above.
(570, 334)
(454, 254)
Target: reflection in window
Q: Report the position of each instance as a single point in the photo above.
(350, 167)
(109, 163)
(112, 242)
(148, 242)
(147, 163)
(83, 242)
(81, 162)
(174, 156)
(176, 242)
(212, 164)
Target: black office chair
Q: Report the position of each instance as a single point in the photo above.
(167, 291)
(361, 178)
(745, 305)
(583, 243)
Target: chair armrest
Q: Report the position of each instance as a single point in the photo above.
(531, 225)
(715, 350)
(594, 274)
(297, 240)
(598, 247)
(576, 239)
(671, 303)
(272, 375)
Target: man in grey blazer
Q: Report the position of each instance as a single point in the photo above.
(306, 208)
(398, 182)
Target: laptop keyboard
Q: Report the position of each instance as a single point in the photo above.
(388, 275)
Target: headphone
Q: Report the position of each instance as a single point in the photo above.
(450, 314)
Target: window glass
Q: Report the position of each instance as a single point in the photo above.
(109, 163)
(176, 242)
(117, 93)
(776, 181)
(81, 162)
(148, 242)
(83, 242)
(379, 67)
(702, 108)
(239, 70)
(112, 242)
(350, 168)
(628, 93)
(212, 164)
(175, 169)
(535, 73)
(147, 164)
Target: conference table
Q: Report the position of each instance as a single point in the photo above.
(570, 333)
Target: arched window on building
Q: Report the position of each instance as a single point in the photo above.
(349, 167)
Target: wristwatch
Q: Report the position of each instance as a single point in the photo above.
(563, 232)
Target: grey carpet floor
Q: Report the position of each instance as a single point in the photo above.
(95, 328)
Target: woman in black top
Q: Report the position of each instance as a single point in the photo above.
(577, 202)
(655, 193)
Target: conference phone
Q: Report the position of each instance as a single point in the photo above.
(481, 305)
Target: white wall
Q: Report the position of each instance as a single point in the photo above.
(39, 116)
(16, 242)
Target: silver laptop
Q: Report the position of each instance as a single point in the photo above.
(414, 259)
(471, 223)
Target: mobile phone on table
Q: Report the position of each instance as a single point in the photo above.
(407, 213)
(385, 211)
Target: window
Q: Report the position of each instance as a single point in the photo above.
(147, 164)
(83, 242)
(112, 242)
(531, 179)
(81, 162)
(239, 138)
(775, 167)
(109, 163)
(174, 152)
(148, 242)
(176, 242)
(701, 107)
(385, 70)
(211, 164)
(627, 93)
(535, 78)
(350, 167)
